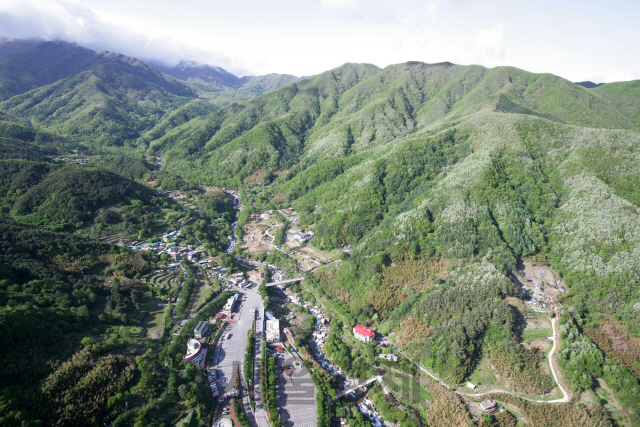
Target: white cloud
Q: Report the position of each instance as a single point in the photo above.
(432, 7)
(73, 22)
(493, 43)
(341, 4)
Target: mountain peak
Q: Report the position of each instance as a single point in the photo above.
(588, 84)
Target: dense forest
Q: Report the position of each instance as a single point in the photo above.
(434, 183)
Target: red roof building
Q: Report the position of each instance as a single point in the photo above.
(363, 333)
(219, 316)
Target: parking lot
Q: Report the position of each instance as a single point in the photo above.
(296, 394)
(229, 353)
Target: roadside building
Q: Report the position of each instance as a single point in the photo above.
(488, 405)
(472, 386)
(228, 307)
(389, 357)
(272, 330)
(194, 349)
(202, 329)
(363, 333)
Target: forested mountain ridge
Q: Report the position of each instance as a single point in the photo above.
(359, 107)
(28, 64)
(59, 196)
(105, 98)
(114, 102)
(480, 167)
(434, 183)
(220, 79)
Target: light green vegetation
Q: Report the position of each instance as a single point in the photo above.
(530, 335)
(435, 178)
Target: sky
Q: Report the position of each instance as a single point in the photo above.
(578, 40)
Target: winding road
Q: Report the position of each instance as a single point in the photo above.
(565, 396)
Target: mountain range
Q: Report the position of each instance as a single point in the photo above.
(436, 184)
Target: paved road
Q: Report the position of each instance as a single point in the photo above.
(565, 398)
(230, 351)
(260, 413)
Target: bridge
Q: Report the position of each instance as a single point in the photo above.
(284, 282)
(355, 387)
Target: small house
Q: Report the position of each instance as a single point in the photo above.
(488, 405)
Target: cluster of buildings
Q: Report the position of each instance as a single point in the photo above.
(228, 278)
(172, 249)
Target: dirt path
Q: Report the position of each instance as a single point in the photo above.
(565, 398)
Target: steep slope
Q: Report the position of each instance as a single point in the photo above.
(29, 64)
(356, 108)
(116, 101)
(625, 96)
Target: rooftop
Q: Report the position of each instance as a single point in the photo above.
(364, 331)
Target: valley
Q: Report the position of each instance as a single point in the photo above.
(465, 237)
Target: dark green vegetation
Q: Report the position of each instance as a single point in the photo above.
(59, 197)
(437, 179)
(249, 356)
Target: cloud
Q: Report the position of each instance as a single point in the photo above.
(432, 7)
(341, 4)
(608, 76)
(73, 22)
(493, 43)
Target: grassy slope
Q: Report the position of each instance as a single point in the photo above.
(314, 117)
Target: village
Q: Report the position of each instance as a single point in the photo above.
(218, 341)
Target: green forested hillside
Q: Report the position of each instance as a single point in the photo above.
(57, 196)
(28, 64)
(434, 182)
(115, 101)
(357, 108)
(480, 167)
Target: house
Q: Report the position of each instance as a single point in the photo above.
(488, 405)
(201, 330)
(472, 386)
(363, 333)
(389, 357)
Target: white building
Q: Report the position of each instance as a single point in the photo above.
(272, 331)
(363, 333)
